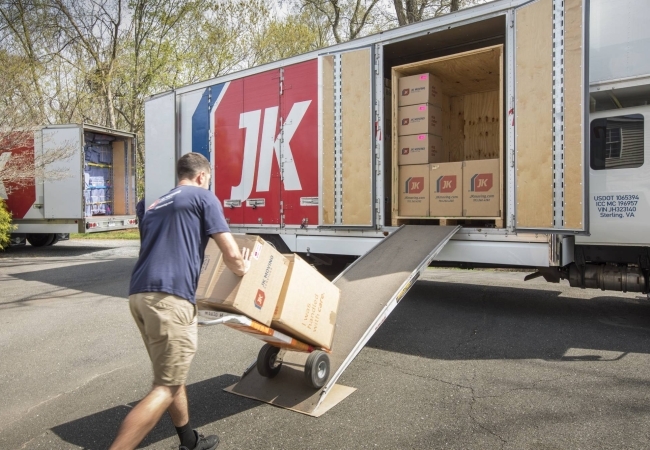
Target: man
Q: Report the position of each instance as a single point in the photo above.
(175, 232)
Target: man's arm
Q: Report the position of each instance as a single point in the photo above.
(232, 256)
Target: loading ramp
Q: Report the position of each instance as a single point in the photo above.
(370, 289)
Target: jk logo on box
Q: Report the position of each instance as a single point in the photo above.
(405, 121)
(405, 151)
(259, 299)
(446, 183)
(414, 185)
(405, 91)
(481, 182)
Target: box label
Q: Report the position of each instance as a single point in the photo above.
(259, 299)
(414, 185)
(446, 184)
(481, 182)
(257, 251)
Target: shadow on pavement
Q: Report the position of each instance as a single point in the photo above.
(208, 404)
(462, 322)
(110, 278)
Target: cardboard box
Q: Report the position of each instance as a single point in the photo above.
(422, 88)
(446, 189)
(420, 119)
(307, 306)
(256, 293)
(414, 191)
(481, 188)
(208, 274)
(420, 149)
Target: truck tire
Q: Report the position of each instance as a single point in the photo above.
(40, 239)
(56, 239)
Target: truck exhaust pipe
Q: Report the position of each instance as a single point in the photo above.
(608, 278)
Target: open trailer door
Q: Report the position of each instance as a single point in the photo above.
(550, 117)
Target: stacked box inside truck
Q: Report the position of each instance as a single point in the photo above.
(98, 175)
(447, 161)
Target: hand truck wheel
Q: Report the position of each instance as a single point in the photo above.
(267, 361)
(317, 369)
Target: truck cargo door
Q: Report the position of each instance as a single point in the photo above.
(346, 111)
(547, 122)
(160, 150)
(63, 185)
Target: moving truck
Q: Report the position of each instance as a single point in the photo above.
(90, 187)
(542, 103)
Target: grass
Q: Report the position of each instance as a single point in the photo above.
(131, 234)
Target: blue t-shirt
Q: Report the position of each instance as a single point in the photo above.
(175, 232)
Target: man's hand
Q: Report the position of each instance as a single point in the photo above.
(232, 256)
(246, 256)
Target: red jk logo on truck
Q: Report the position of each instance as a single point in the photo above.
(414, 185)
(259, 299)
(481, 182)
(446, 183)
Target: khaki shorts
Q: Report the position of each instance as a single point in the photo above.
(168, 325)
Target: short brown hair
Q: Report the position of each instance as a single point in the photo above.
(190, 165)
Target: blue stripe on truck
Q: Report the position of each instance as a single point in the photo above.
(201, 120)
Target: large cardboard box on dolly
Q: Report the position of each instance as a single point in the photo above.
(421, 149)
(307, 306)
(422, 88)
(414, 190)
(208, 276)
(446, 187)
(255, 294)
(420, 119)
(481, 188)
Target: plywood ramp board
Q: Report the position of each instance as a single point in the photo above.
(573, 116)
(482, 125)
(119, 180)
(455, 142)
(327, 169)
(533, 115)
(357, 126)
(461, 73)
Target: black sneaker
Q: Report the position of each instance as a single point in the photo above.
(203, 442)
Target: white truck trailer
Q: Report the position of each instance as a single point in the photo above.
(306, 152)
(89, 185)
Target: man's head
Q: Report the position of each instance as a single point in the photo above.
(193, 168)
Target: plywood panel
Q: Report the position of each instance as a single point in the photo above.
(356, 92)
(573, 116)
(456, 138)
(327, 168)
(394, 144)
(119, 179)
(482, 125)
(462, 73)
(533, 115)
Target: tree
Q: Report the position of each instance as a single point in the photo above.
(411, 11)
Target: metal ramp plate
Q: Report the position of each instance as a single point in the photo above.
(370, 290)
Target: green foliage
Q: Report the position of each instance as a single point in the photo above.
(6, 227)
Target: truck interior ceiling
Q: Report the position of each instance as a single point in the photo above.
(468, 63)
(628, 97)
(108, 180)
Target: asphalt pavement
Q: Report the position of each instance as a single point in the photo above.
(468, 360)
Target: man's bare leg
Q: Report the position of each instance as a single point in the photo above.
(178, 410)
(146, 414)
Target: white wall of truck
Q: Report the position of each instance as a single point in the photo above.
(615, 65)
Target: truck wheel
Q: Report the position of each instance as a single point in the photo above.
(317, 369)
(267, 364)
(40, 239)
(56, 239)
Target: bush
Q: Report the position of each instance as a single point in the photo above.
(5, 225)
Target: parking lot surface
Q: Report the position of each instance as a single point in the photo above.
(468, 360)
